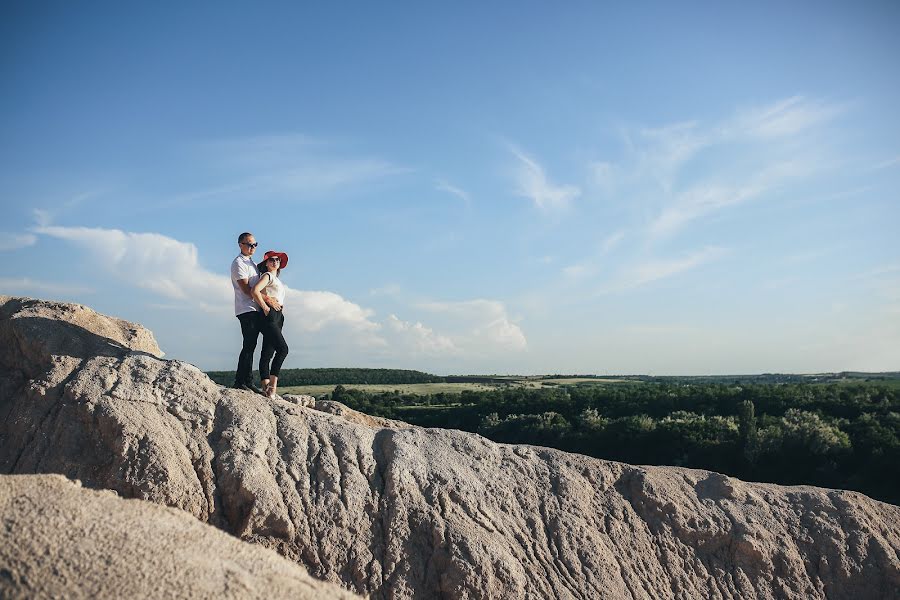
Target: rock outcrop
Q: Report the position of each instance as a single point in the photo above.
(396, 511)
(58, 540)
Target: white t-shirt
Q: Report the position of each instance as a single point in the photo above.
(243, 267)
(275, 289)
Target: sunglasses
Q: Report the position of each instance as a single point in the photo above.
(275, 259)
(253, 245)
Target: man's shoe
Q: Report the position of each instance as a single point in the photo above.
(254, 389)
(249, 387)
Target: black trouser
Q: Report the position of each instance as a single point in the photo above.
(273, 344)
(250, 325)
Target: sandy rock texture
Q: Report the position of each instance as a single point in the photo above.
(404, 512)
(58, 540)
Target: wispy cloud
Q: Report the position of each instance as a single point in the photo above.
(611, 241)
(661, 269)
(647, 272)
(590, 265)
(660, 329)
(26, 286)
(532, 183)
(443, 186)
(887, 164)
(391, 289)
(695, 203)
(284, 164)
(662, 151)
(783, 118)
(757, 131)
(14, 241)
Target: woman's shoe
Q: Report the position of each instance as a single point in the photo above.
(270, 392)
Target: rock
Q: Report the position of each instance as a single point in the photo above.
(406, 512)
(300, 399)
(58, 540)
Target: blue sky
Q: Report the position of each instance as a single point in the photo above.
(690, 188)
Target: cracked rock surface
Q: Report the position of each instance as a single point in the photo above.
(396, 511)
(59, 540)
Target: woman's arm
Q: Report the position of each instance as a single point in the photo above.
(257, 292)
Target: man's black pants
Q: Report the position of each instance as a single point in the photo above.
(250, 325)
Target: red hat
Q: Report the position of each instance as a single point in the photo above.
(284, 257)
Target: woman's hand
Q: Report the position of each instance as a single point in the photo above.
(266, 310)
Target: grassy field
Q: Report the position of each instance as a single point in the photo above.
(423, 389)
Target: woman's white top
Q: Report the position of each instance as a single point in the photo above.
(275, 289)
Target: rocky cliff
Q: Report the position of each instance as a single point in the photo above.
(396, 511)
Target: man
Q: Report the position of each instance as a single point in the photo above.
(243, 277)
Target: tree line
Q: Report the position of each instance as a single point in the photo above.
(291, 377)
(832, 435)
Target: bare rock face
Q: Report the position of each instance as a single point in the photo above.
(58, 540)
(403, 512)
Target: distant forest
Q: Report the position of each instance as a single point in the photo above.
(831, 435)
(290, 377)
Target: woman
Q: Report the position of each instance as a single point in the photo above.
(272, 320)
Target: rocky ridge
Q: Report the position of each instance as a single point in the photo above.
(396, 511)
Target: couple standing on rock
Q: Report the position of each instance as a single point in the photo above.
(258, 305)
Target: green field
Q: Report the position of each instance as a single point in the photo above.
(418, 389)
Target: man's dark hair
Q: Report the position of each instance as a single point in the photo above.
(243, 237)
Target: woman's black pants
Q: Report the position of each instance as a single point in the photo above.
(273, 344)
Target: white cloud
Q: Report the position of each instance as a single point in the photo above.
(171, 270)
(422, 339)
(321, 309)
(481, 326)
(14, 241)
(150, 261)
(533, 184)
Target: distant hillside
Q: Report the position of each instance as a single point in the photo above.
(291, 377)
(844, 376)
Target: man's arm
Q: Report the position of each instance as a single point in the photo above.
(244, 284)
